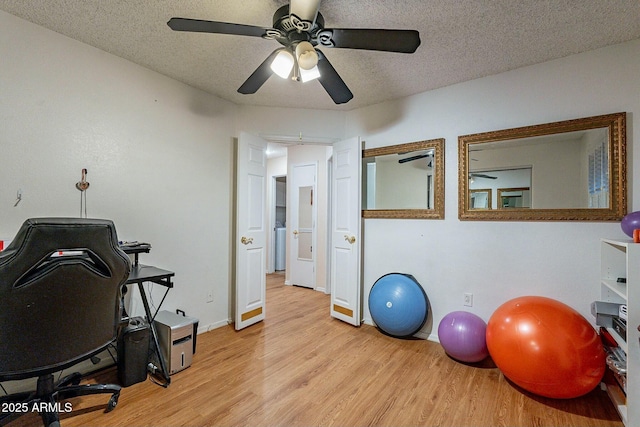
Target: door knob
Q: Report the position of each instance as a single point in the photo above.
(295, 232)
(246, 240)
(350, 239)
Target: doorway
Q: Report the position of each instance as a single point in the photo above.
(252, 227)
(280, 173)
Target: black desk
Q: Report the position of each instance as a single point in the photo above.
(145, 273)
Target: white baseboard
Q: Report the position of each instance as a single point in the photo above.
(211, 326)
(420, 334)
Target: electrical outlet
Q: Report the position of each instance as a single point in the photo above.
(468, 299)
(210, 296)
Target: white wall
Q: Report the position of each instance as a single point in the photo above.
(292, 122)
(497, 261)
(158, 155)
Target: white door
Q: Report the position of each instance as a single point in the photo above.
(251, 230)
(302, 235)
(345, 231)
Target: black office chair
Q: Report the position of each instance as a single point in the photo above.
(60, 281)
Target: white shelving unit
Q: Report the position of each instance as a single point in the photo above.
(621, 259)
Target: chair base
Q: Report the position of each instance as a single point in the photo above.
(45, 400)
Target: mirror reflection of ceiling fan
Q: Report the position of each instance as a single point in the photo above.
(482, 175)
(299, 28)
(416, 157)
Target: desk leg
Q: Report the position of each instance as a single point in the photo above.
(154, 335)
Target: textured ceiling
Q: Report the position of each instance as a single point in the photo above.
(461, 40)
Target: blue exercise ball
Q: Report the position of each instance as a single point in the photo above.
(398, 304)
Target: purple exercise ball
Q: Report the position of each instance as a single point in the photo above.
(630, 222)
(463, 336)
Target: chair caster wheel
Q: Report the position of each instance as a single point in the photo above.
(113, 402)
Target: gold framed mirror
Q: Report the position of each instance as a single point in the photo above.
(404, 181)
(573, 170)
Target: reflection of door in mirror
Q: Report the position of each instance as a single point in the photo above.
(509, 198)
(480, 198)
(598, 181)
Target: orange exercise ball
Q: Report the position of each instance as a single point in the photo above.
(546, 347)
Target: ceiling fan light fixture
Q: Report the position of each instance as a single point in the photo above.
(283, 63)
(308, 75)
(307, 55)
(299, 27)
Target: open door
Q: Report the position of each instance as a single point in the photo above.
(345, 231)
(303, 223)
(251, 230)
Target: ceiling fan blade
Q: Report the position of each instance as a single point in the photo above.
(402, 41)
(302, 13)
(332, 82)
(482, 175)
(259, 76)
(412, 158)
(200, 26)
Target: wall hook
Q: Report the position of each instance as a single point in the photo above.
(82, 185)
(18, 198)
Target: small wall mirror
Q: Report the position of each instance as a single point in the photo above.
(404, 181)
(569, 170)
(480, 198)
(512, 198)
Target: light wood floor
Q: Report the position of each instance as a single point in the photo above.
(301, 368)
